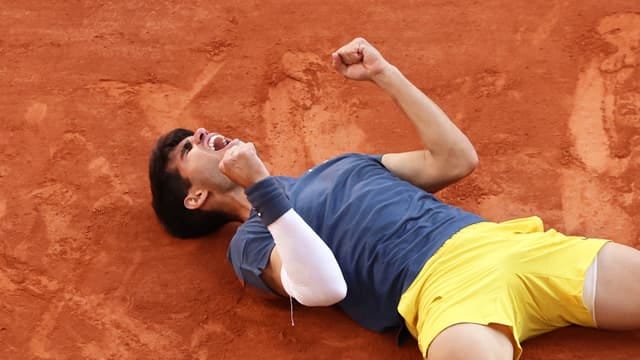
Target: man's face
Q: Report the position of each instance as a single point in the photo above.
(196, 158)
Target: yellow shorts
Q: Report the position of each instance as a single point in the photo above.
(511, 273)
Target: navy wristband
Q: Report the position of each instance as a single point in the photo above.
(269, 199)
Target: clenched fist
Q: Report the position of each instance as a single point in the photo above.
(242, 165)
(359, 60)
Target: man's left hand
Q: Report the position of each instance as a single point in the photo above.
(359, 60)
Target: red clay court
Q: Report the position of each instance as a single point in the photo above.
(549, 92)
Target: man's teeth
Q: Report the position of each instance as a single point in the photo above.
(212, 141)
(217, 142)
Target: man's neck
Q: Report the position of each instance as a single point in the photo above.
(239, 206)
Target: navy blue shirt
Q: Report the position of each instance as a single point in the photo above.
(381, 229)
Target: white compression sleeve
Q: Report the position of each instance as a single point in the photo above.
(310, 272)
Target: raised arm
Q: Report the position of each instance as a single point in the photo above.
(448, 154)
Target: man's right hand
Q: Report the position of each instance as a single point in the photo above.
(242, 165)
(359, 60)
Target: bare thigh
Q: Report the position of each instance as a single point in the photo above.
(617, 303)
(472, 341)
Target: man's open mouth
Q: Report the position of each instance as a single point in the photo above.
(217, 142)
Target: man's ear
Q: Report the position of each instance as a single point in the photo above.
(195, 199)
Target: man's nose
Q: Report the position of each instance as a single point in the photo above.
(199, 135)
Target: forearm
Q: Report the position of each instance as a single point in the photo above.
(439, 134)
(310, 272)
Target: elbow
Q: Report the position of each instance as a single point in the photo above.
(471, 162)
(465, 164)
(327, 296)
(339, 293)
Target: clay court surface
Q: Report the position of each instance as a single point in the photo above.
(548, 91)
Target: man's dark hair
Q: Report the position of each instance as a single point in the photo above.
(168, 190)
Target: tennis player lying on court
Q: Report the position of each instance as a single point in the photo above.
(364, 232)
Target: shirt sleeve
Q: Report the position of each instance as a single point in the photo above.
(250, 251)
(376, 157)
